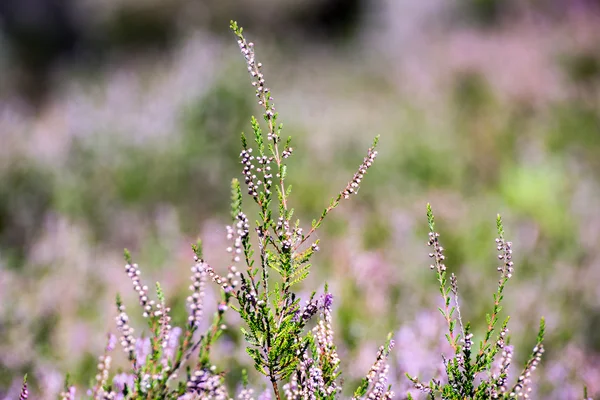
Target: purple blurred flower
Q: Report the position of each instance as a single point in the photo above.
(122, 380)
(112, 342)
(142, 350)
(326, 301)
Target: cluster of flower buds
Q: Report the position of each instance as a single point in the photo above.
(505, 249)
(216, 278)
(162, 313)
(438, 252)
(68, 393)
(249, 293)
(287, 152)
(207, 384)
(522, 388)
(127, 339)
(24, 392)
(380, 388)
(282, 228)
(133, 271)
(379, 364)
(248, 172)
(237, 235)
(378, 375)
(258, 81)
(307, 312)
(501, 342)
(501, 379)
(468, 341)
(196, 299)
(353, 185)
(246, 394)
(123, 379)
(264, 166)
(103, 370)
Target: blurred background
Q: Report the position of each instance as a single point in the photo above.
(119, 127)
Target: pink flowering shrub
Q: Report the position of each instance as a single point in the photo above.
(289, 340)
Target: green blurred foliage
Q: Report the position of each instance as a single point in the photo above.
(25, 198)
(186, 171)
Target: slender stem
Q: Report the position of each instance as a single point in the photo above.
(275, 388)
(445, 297)
(493, 317)
(316, 225)
(278, 161)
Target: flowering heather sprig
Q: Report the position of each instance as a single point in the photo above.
(313, 378)
(375, 385)
(24, 395)
(522, 387)
(353, 185)
(505, 249)
(440, 268)
(454, 288)
(208, 385)
(506, 270)
(98, 392)
(102, 376)
(248, 171)
(263, 93)
(122, 381)
(133, 271)
(287, 152)
(308, 311)
(275, 321)
(68, 393)
(237, 235)
(438, 250)
(326, 353)
(196, 300)
(246, 394)
(214, 276)
(127, 339)
(264, 167)
(499, 382)
(164, 319)
(462, 370)
(351, 188)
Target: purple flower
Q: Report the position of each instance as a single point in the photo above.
(327, 301)
(122, 380)
(142, 350)
(24, 392)
(112, 342)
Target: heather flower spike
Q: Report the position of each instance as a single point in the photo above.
(69, 391)
(374, 385)
(481, 374)
(24, 392)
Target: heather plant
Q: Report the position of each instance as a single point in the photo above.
(482, 373)
(266, 264)
(289, 340)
